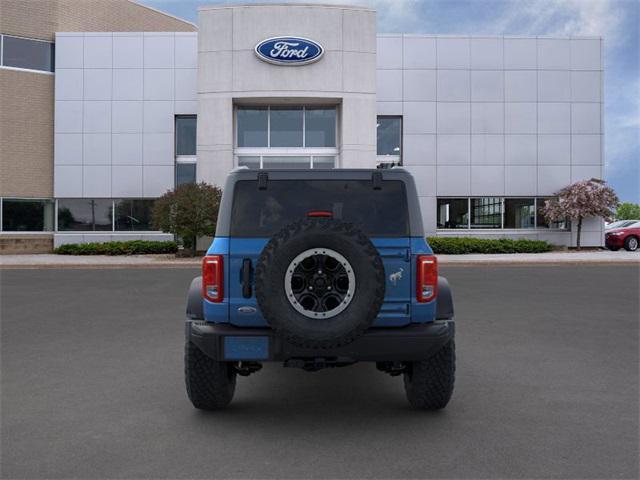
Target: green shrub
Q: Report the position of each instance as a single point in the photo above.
(132, 247)
(190, 211)
(462, 245)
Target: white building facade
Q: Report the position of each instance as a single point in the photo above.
(489, 126)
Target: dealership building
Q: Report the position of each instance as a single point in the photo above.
(107, 105)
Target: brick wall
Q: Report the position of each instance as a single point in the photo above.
(42, 18)
(26, 116)
(26, 134)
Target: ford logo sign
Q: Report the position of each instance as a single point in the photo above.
(289, 51)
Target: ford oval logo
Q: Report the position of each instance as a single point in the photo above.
(289, 51)
(246, 309)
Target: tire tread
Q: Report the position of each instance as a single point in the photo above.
(429, 383)
(210, 384)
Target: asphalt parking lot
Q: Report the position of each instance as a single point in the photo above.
(547, 386)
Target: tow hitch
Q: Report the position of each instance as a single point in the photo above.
(392, 368)
(315, 364)
(245, 369)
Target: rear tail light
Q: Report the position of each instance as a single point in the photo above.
(427, 278)
(213, 278)
(320, 214)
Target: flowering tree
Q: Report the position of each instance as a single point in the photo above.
(586, 198)
(190, 211)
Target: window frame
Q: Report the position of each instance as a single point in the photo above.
(567, 222)
(237, 192)
(469, 228)
(56, 213)
(316, 153)
(380, 159)
(55, 203)
(29, 232)
(175, 134)
(268, 150)
(113, 218)
(115, 215)
(22, 69)
(535, 213)
(468, 214)
(472, 211)
(183, 159)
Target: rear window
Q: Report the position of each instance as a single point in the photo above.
(261, 213)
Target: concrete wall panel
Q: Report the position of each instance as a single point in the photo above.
(535, 113)
(125, 115)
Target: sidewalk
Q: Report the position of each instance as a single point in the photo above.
(170, 261)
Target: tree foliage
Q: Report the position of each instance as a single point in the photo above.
(586, 198)
(628, 211)
(190, 211)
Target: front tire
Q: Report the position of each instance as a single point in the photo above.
(210, 384)
(428, 384)
(631, 244)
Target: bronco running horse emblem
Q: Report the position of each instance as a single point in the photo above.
(394, 277)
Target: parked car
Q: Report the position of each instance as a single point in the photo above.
(627, 237)
(318, 269)
(620, 224)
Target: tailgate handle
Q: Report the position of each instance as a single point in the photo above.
(246, 278)
(404, 254)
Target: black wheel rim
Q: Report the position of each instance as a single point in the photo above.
(319, 283)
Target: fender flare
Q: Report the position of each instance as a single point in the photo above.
(195, 309)
(444, 301)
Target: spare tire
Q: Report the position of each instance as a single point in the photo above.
(319, 283)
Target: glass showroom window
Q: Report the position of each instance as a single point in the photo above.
(186, 160)
(133, 215)
(389, 134)
(27, 215)
(486, 212)
(253, 127)
(85, 215)
(185, 173)
(519, 213)
(286, 127)
(26, 53)
(542, 222)
(453, 213)
(319, 127)
(278, 137)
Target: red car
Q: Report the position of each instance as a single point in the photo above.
(627, 237)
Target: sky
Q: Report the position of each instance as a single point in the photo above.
(617, 21)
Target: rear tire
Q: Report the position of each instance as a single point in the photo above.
(631, 244)
(210, 384)
(429, 383)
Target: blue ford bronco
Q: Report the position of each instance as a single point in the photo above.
(317, 269)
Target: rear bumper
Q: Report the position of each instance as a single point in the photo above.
(225, 342)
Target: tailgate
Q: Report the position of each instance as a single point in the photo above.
(396, 256)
